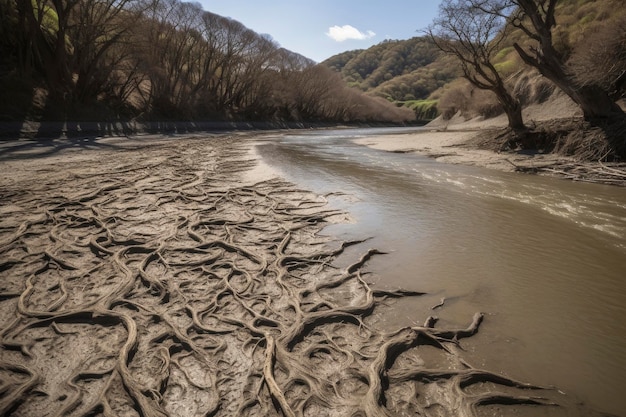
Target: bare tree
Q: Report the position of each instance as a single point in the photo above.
(172, 51)
(474, 37)
(74, 46)
(536, 18)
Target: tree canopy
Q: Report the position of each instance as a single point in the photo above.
(397, 70)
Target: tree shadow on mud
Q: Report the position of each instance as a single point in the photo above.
(41, 148)
(27, 140)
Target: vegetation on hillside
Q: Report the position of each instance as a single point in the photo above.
(541, 48)
(170, 60)
(590, 35)
(545, 47)
(399, 70)
(164, 60)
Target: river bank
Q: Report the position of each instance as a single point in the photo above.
(459, 144)
(541, 257)
(470, 142)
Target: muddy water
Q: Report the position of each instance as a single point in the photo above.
(544, 259)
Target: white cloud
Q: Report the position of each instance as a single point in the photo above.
(345, 32)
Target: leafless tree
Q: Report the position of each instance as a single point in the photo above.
(75, 45)
(536, 18)
(474, 37)
(169, 59)
(172, 49)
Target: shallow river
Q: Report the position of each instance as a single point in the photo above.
(544, 259)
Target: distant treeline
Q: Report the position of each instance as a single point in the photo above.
(162, 60)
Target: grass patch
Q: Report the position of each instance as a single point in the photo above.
(424, 109)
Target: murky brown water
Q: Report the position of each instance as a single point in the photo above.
(544, 259)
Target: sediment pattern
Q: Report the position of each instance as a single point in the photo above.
(152, 282)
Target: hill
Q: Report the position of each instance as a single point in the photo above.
(397, 70)
(590, 34)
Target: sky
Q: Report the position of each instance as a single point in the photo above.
(319, 29)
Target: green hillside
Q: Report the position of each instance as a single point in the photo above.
(415, 73)
(398, 70)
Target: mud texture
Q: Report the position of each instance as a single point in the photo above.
(150, 280)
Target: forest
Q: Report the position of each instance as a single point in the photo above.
(162, 60)
(484, 58)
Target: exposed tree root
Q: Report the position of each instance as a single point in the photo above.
(595, 151)
(268, 374)
(152, 284)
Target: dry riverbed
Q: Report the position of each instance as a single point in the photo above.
(160, 276)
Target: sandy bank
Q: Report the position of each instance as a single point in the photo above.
(454, 141)
(447, 140)
(452, 147)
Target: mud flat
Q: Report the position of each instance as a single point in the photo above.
(173, 277)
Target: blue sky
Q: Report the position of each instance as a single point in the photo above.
(319, 29)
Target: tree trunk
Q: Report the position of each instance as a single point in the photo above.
(594, 101)
(511, 106)
(516, 122)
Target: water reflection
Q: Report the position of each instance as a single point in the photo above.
(543, 258)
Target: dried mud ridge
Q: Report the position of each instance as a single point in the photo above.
(150, 282)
